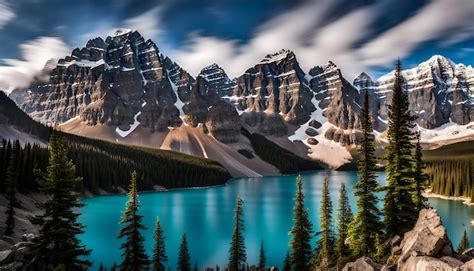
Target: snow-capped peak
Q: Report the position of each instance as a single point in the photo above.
(280, 55)
(122, 31)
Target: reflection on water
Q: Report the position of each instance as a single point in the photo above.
(206, 217)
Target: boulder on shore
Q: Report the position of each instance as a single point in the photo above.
(363, 264)
(427, 238)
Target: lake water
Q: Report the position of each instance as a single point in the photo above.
(206, 216)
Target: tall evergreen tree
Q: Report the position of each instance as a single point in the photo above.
(366, 224)
(57, 244)
(301, 232)
(464, 243)
(262, 261)
(344, 218)
(325, 245)
(184, 260)
(237, 254)
(420, 177)
(399, 210)
(10, 192)
(287, 262)
(134, 256)
(159, 251)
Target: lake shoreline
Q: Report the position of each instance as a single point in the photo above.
(465, 200)
(158, 188)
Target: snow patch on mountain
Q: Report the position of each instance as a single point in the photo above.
(447, 131)
(135, 124)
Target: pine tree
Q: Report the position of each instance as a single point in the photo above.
(184, 260)
(420, 177)
(237, 254)
(287, 262)
(262, 259)
(10, 192)
(366, 224)
(399, 210)
(159, 251)
(134, 256)
(325, 245)
(57, 243)
(464, 243)
(344, 218)
(301, 232)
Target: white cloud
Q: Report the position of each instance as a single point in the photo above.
(35, 53)
(6, 13)
(315, 42)
(439, 19)
(146, 23)
(299, 29)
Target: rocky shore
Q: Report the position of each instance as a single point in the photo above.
(425, 247)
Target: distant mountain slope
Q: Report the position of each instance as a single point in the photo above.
(16, 124)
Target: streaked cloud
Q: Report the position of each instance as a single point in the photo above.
(356, 35)
(6, 13)
(35, 54)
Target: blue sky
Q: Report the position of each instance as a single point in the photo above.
(358, 35)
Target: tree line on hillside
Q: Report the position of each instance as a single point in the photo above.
(452, 177)
(284, 160)
(91, 157)
(19, 119)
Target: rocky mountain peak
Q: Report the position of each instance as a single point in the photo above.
(278, 56)
(217, 84)
(363, 81)
(122, 31)
(272, 92)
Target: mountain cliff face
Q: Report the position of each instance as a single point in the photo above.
(272, 93)
(439, 92)
(119, 81)
(124, 82)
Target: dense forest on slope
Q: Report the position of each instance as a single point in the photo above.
(451, 169)
(11, 115)
(286, 161)
(108, 165)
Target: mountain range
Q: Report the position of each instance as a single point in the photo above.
(124, 89)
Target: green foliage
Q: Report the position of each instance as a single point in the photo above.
(382, 250)
(184, 260)
(286, 161)
(157, 167)
(246, 153)
(344, 218)
(27, 158)
(325, 245)
(366, 224)
(464, 243)
(450, 169)
(10, 192)
(134, 256)
(57, 243)
(262, 259)
(287, 262)
(237, 254)
(420, 179)
(159, 251)
(301, 232)
(400, 213)
(452, 176)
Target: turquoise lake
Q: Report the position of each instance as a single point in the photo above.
(206, 216)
